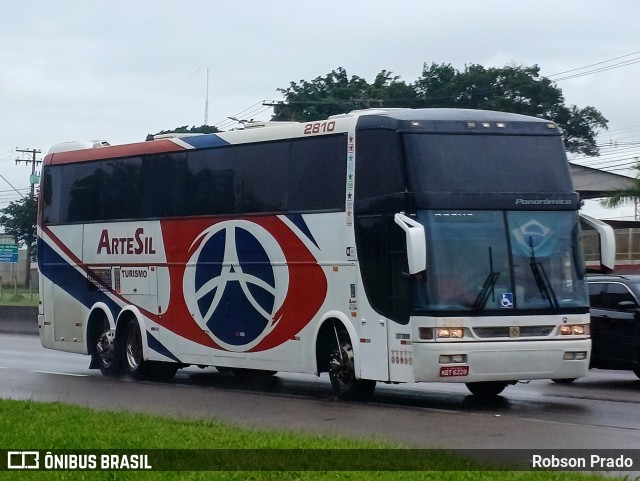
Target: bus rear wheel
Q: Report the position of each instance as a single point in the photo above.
(132, 351)
(105, 355)
(343, 377)
(134, 363)
(486, 389)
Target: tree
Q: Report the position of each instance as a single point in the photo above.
(336, 93)
(509, 89)
(203, 129)
(19, 219)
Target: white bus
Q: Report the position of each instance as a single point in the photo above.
(391, 245)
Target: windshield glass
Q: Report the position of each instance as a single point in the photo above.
(494, 260)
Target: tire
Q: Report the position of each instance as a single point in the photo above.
(132, 359)
(568, 380)
(486, 389)
(343, 377)
(134, 364)
(105, 354)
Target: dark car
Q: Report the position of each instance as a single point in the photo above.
(615, 322)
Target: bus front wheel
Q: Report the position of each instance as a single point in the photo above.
(486, 389)
(343, 377)
(567, 380)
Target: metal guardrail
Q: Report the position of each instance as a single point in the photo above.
(18, 320)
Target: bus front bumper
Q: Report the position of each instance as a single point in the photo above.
(500, 361)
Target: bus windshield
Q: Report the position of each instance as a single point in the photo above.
(480, 261)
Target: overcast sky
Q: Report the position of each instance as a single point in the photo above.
(118, 70)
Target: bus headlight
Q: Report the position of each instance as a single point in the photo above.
(450, 332)
(574, 329)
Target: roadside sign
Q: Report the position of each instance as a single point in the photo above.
(9, 253)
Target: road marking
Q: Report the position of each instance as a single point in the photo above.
(61, 373)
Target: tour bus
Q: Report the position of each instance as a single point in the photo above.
(391, 245)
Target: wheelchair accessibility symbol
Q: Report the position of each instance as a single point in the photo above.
(506, 300)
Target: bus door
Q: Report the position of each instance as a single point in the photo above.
(382, 252)
(372, 332)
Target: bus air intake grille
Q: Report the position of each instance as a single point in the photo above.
(506, 331)
(101, 278)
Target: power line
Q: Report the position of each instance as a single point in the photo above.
(594, 64)
(11, 185)
(7, 155)
(603, 69)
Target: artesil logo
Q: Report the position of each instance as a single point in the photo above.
(236, 281)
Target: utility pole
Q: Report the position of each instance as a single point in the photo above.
(32, 180)
(33, 161)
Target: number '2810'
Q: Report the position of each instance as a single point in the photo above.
(319, 127)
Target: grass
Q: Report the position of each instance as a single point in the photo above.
(27, 425)
(9, 296)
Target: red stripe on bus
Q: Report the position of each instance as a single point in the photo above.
(129, 150)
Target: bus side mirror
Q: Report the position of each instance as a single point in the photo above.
(416, 243)
(606, 244)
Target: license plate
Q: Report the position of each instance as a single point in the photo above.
(454, 371)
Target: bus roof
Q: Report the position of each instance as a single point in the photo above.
(437, 119)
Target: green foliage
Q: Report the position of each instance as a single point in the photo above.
(337, 93)
(509, 89)
(18, 296)
(19, 220)
(185, 129)
(615, 198)
(56, 427)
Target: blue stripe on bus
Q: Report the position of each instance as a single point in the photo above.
(157, 346)
(76, 284)
(204, 141)
(72, 281)
(299, 222)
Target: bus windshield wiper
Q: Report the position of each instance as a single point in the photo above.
(487, 287)
(542, 281)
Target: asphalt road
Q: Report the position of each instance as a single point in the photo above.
(599, 411)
